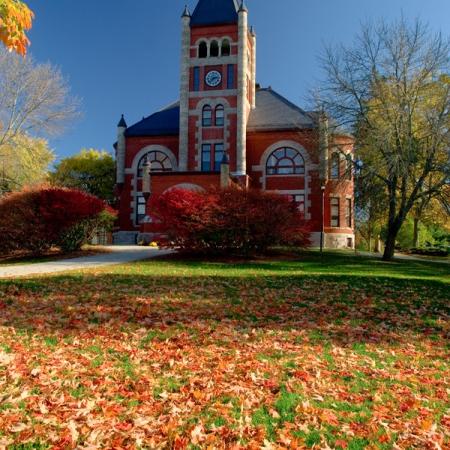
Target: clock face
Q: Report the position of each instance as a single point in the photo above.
(213, 78)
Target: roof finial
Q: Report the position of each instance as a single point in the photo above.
(186, 12)
(243, 7)
(122, 123)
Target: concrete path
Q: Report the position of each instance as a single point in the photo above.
(418, 258)
(116, 255)
(404, 257)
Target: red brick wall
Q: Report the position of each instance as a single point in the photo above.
(162, 182)
(212, 133)
(259, 142)
(136, 144)
(216, 31)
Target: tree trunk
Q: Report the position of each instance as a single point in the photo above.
(393, 224)
(389, 249)
(416, 233)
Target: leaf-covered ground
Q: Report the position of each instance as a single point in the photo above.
(340, 353)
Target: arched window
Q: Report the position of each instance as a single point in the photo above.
(207, 116)
(220, 116)
(203, 50)
(226, 47)
(335, 166)
(285, 161)
(159, 160)
(214, 49)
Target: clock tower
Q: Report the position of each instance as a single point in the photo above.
(217, 89)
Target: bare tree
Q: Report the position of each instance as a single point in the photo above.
(391, 89)
(35, 101)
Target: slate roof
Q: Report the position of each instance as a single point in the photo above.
(274, 112)
(163, 123)
(215, 12)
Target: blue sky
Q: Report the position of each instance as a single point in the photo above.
(122, 56)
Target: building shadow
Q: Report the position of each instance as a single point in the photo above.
(339, 309)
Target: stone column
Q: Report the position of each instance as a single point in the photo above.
(241, 149)
(225, 172)
(121, 150)
(254, 70)
(184, 91)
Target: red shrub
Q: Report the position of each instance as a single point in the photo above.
(36, 219)
(231, 221)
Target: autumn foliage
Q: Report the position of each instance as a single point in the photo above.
(37, 219)
(15, 19)
(231, 221)
(331, 352)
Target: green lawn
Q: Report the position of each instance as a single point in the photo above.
(332, 352)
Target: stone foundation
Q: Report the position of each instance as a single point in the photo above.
(334, 240)
(125, 238)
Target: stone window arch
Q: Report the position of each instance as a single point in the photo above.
(207, 116)
(203, 49)
(285, 161)
(214, 49)
(187, 187)
(226, 47)
(160, 162)
(220, 116)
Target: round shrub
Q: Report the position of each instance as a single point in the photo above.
(231, 221)
(37, 219)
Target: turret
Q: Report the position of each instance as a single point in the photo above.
(184, 89)
(120, 152)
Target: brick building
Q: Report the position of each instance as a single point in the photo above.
(224, 117)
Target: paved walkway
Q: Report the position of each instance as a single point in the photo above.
(418, 258)
(116, 255)
(404, 257)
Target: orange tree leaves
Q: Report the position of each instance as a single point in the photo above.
(15, 19)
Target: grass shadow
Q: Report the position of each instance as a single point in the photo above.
(357, 301)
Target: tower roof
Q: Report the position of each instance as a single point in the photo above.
(215, 12)
(186, 12)
(122, 123)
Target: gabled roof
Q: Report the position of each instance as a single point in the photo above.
(215, 12)
(274, 112)
(163, 123)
